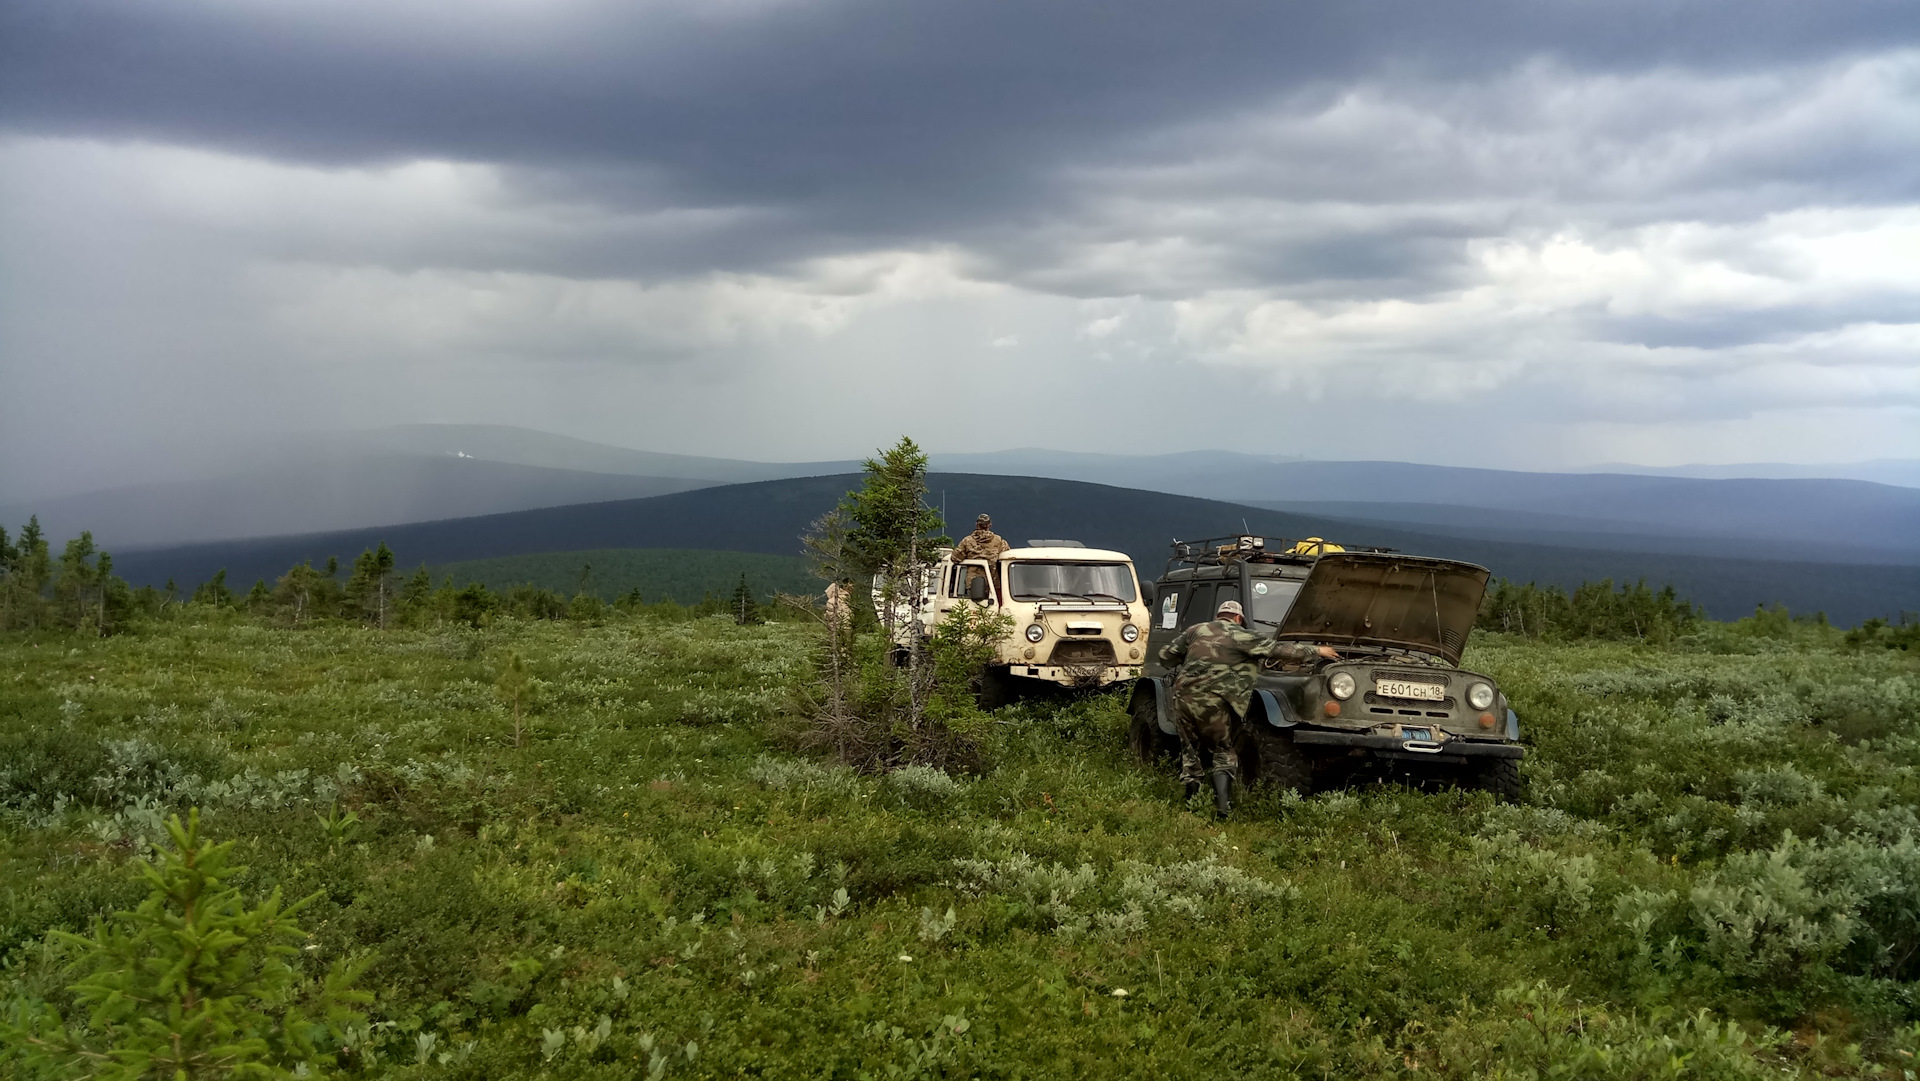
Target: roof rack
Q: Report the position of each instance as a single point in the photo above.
(1247, 548)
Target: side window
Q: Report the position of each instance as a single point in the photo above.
(1229, 591)
(1199, 605)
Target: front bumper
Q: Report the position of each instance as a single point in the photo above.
(1454, 751)
(1071, 676)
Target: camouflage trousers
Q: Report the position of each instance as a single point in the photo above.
(1205, 723)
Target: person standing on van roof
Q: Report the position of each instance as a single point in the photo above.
(982, 543)
(1218, 663)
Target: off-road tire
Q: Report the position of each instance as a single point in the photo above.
(993, 687)
(1270, 758)
(1150, 745)
(1501, 777)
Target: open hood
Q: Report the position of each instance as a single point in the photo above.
(1382, 599)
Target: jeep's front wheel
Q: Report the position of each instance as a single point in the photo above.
(1150, 745)
(1501, 776)
(1268, 756)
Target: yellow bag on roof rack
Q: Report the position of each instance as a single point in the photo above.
(1313, 546)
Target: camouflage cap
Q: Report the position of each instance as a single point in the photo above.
(1229, 608)
(984, 519)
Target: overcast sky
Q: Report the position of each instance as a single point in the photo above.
(1527, 234)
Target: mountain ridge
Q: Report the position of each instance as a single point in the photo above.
(769, 516)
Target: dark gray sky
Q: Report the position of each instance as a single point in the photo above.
(1527, 234)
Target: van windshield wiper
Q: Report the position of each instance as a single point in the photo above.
(1109, 596)
(1075, 596)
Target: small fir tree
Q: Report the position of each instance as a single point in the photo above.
(21, 603)
(192, 984)
(742, 605)
(890, 521)
(371, 584)
(79, 590)
(33, 562)
(418, 594)
(214, 591)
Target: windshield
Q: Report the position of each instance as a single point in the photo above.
(1070, 581)
(1271, 598)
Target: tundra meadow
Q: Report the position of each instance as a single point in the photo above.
(599, 847)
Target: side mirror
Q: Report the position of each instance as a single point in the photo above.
(1146, 594)
(977, 588)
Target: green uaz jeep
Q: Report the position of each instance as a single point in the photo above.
(1395, 705)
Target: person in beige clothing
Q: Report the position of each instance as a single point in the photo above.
(839, 606)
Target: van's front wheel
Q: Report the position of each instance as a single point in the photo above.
(993, 687)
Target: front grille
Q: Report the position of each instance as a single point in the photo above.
(1083, 653)
(1373, 699)
(1415, 675)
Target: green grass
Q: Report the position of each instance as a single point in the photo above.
(657, 872)
(682, 575)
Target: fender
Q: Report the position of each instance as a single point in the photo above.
(1162, 701)
(1276, 711)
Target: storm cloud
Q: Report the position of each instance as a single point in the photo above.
(1522, 233)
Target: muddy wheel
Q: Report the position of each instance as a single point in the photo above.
(1502, 778)
(993, 687)
(1150, 745)
(1269, 757)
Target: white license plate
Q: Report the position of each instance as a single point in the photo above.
(1400, 688)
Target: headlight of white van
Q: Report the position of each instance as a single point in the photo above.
(1129, 633)
(1340, 685)
(1480, 696)
(1035, 632)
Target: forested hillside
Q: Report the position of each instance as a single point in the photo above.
(768, 517)
(677, 574)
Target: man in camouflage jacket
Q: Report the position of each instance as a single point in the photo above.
(1218, 664)
(982, 543)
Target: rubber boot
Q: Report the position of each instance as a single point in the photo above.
(1222, 794)
(1193, 789)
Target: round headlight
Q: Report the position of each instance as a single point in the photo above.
(1341, 684)
(1035, 632)
(1129, 633)
(1480, 696)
